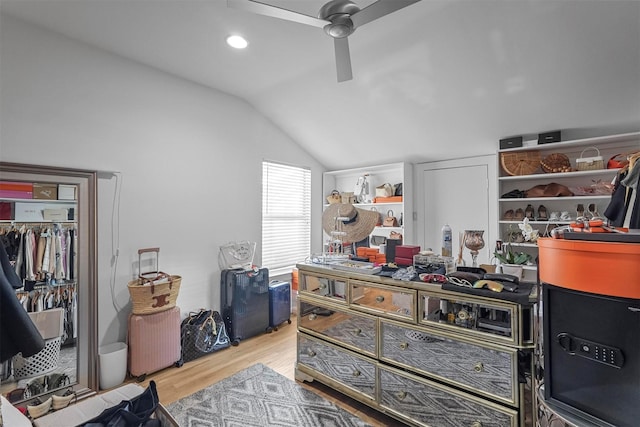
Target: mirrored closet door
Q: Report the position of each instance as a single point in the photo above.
(48, 228)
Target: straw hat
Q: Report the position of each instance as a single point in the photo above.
(359, 225)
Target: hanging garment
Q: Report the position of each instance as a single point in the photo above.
(47, 253)
(42, 243)
(631, 184)
(616, 210)
(11, 241)
(29, 255)
(68, 256)
(59, 270)
(20, 257)
(18, 333)
(624, 207)
(63, 254)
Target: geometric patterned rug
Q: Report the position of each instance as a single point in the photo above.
(256, 397)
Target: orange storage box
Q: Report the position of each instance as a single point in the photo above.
(604, 268)
(391, 199)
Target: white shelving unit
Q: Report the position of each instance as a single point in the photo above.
(394, 173)
(608, 146)
(41, 204)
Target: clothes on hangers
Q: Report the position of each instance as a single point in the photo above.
(624, 208)
(40, 253)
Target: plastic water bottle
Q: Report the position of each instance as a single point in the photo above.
(446, 241)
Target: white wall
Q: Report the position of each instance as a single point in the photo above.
(189, 158)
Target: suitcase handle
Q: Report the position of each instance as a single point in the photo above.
(144, 251)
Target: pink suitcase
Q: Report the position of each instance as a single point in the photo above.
(154, 342)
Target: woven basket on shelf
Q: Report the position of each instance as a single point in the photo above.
(555, 163)
(520, 163)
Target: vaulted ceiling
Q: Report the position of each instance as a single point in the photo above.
(436, 80)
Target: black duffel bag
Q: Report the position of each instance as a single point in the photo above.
(203, 333)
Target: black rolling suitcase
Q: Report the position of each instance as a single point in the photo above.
(244, 298)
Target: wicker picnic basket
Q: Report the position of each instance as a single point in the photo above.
(154, 291)
(520, 162)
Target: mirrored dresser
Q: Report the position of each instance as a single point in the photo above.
(416, 352)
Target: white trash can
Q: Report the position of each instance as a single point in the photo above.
(113, 364)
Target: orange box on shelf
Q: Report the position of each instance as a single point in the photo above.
(604, 268)
(392, 199)
(16, 186)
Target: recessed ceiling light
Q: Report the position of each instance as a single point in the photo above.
(237, 42)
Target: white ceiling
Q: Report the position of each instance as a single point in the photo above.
(436, 80)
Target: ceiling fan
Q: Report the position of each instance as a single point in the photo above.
(338, 18)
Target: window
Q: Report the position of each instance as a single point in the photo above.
(286, 216)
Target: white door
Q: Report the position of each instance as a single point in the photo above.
(461, 193)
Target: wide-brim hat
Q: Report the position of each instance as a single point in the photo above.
(356, 223)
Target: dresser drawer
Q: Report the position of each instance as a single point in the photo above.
(502, 322)
(430, 404)
(337, 365)
(387, 301)
(330, 287)
(484, 368)
(357, 331)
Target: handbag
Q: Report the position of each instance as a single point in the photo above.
(394, 235)
(347, 197)
(334, 197)
(590, 163)
(390, 220)
(617, 162)
(378, 240)
(398, 190)
(384, 190)
(202, 333)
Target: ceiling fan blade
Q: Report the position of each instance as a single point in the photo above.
(343, 59)
(378, 9)
(276, 12)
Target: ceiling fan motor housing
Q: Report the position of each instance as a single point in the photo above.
(338, 12)
(340, 27)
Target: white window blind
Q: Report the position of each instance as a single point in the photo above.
(286, 216)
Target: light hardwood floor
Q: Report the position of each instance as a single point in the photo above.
(276, 350)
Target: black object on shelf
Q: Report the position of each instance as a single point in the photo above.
(631, 237)
(513, 142)
(547, 137)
